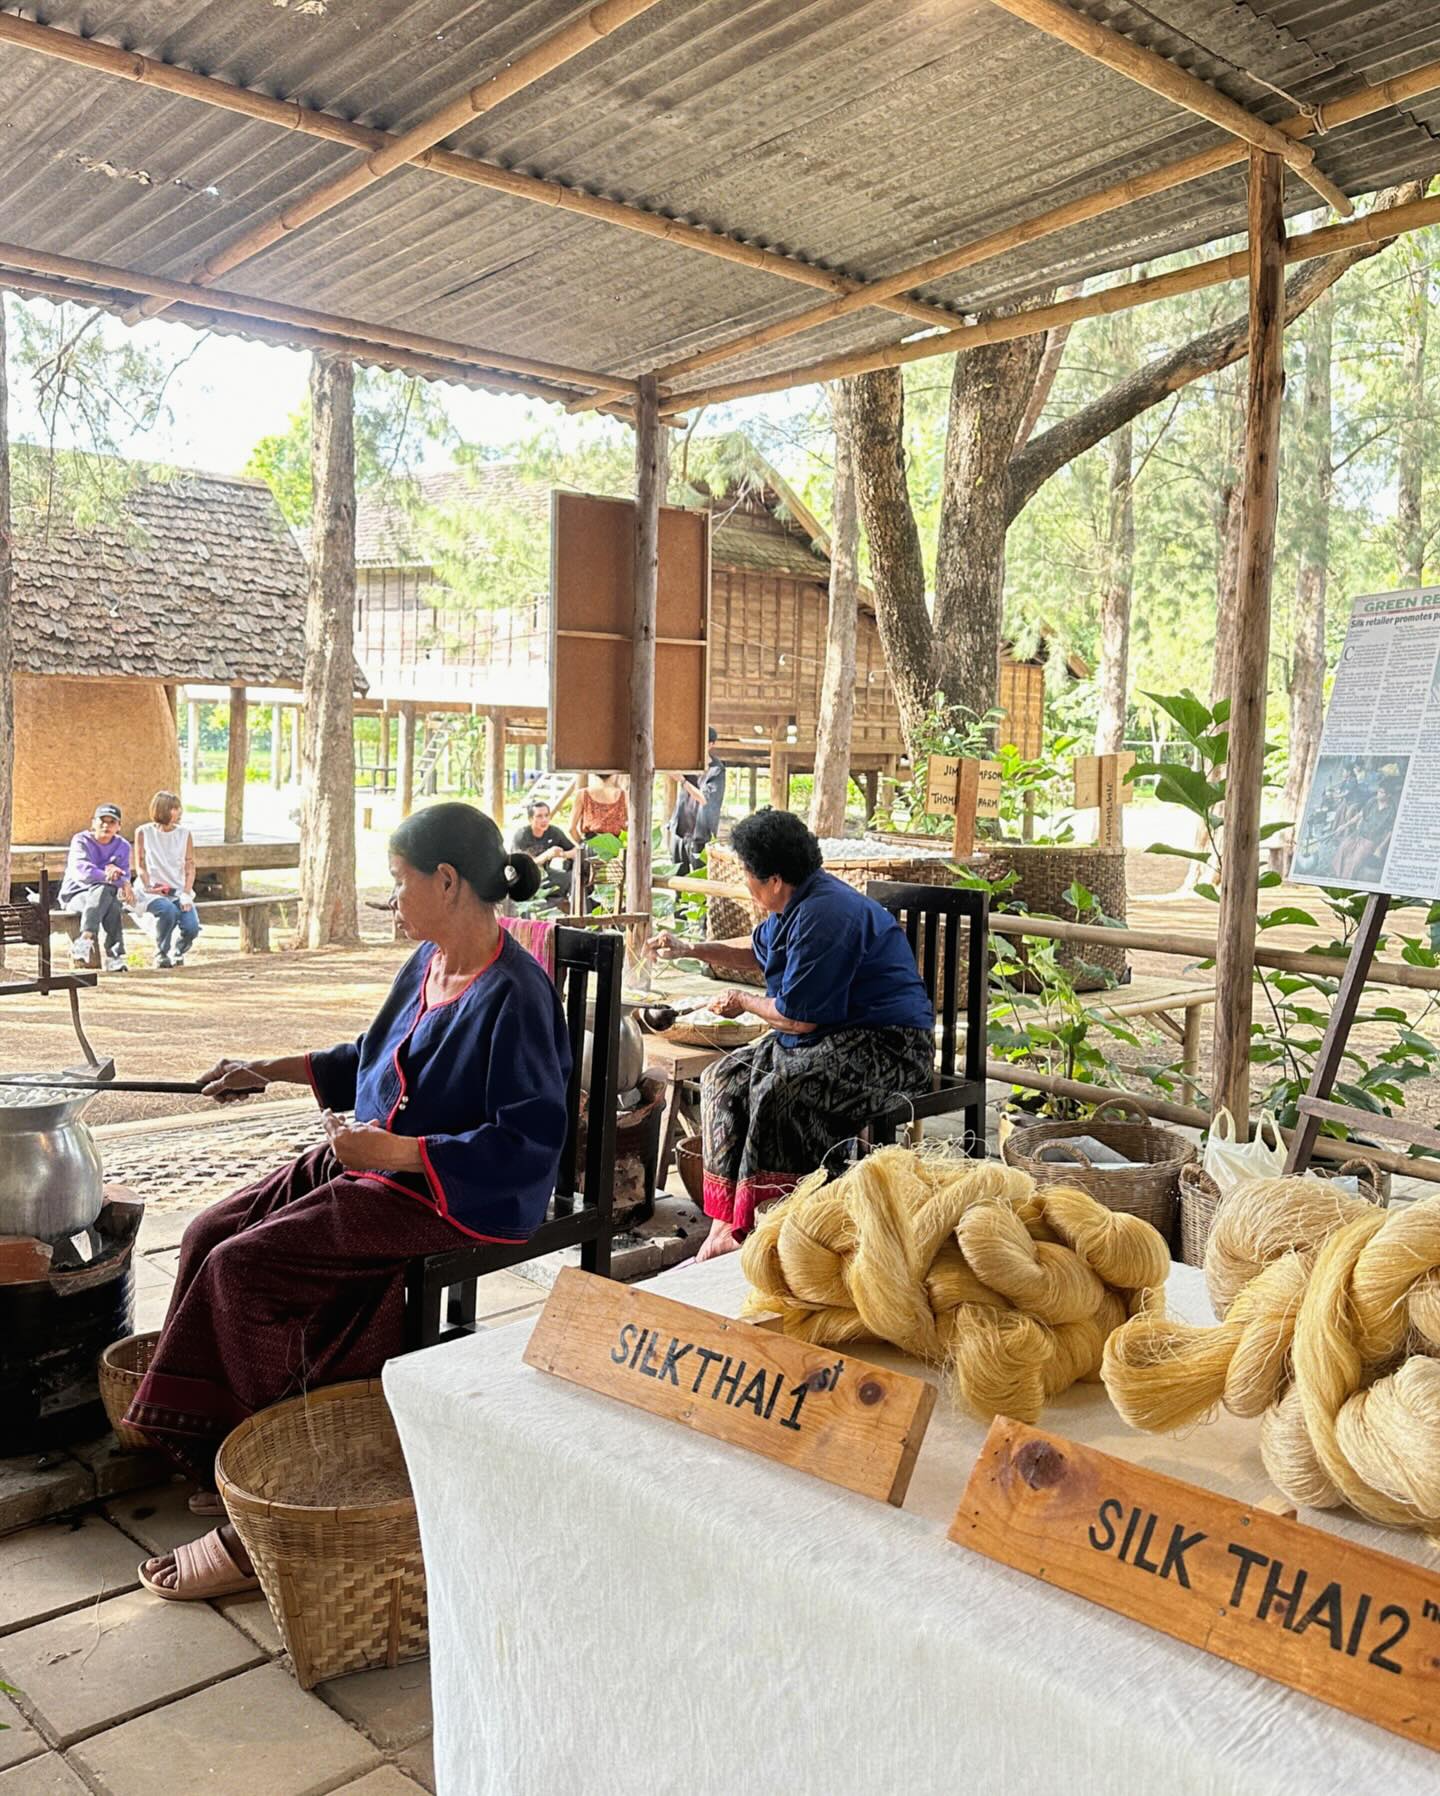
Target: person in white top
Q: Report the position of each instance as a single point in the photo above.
(165, 879)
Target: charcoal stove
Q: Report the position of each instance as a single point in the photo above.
(66, 1238)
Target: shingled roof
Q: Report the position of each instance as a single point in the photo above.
(206, 584)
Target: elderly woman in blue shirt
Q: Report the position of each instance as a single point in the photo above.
(458, 1093)
(852, 1027)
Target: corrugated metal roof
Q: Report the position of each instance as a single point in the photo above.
(862, 134)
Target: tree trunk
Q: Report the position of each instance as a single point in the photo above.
(989, 392)
(7, 640)
(1314, 485)
(897, 566)
(1116, 590)
(1410, 482)
(837, 684)
(327, 828)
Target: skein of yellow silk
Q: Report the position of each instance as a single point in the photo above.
(1334, 1341)
(1013, 1288)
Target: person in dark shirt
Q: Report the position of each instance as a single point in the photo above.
(548, 846)
(852, 1028)
(696, 821)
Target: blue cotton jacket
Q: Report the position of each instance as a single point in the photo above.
(835, 958)
(479, 1080)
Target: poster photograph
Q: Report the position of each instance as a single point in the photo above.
(1372, 817)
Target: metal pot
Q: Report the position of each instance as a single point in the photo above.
(51, 1180)
(630, 1064)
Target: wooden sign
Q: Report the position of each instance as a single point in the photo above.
(1100, 784)
(1356, 1628)
(592, 609)
(965, 790)
(814, 1408)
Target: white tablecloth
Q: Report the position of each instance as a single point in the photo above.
(619, 1605)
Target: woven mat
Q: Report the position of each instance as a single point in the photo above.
(188, 1168)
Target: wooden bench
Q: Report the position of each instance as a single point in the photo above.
(252, 915)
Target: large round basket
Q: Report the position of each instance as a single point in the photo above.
(122, 1366)
(1147, 1189)
(318, 1492)
(691, 1162)
(1045, 873)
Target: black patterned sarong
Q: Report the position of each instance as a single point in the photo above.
(770, 1114)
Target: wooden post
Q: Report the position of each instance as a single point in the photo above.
(1239, 891)
(382, 778)
(652, 454)
(494, 800)
(754, 781)
(192, 741)
(871, 777)
(277, 744)
(405, 772)
(238, 753)
(779, 779)
(967, 799)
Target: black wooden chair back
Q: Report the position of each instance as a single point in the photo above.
(943, 924)
(588, 965)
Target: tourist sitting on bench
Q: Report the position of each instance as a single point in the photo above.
(165, 879)
(458, 1089)
(548, 846)
(852, 1026)
(96, 888)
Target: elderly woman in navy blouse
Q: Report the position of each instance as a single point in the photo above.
(457, 1090)
(851, 1025)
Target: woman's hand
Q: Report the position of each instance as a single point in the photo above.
(230, 1080)
(732, 1003)
(666, 945)
(366, 1147)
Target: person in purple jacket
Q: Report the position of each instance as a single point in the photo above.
(458, 1093)
(97, 887)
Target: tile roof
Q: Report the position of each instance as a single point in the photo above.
(203, 583)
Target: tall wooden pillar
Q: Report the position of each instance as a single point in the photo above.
(754, 787)
(1239, 889)
(871, 778)
(192, 741)
(277, 744)
(238, 753)
(493, 802)
(405, 765)
(383, 776)
(779, 779)
(652, 450)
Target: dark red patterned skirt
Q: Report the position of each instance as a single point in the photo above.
(296, 1281)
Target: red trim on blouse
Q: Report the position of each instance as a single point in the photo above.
(313, 1086)
(379, 1178)
(423, 1009)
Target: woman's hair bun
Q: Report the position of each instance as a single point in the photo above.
(522, 877)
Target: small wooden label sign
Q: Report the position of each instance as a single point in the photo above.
(942, 786)
(813, 1408)
(1353, 1627)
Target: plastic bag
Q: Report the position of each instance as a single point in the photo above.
(1230, 1162)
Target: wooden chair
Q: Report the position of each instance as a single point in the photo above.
(580, 1216)
(935, 920)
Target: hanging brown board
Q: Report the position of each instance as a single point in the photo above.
(592, 573)
(1022, 699)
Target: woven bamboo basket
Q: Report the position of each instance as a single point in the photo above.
(319, 1494)
(122, 1366)
(701, 1035)
(689, 1160)
(1148, 1189)
(1200, 1200)
(1046, 871)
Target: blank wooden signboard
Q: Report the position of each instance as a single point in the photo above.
(592, 570)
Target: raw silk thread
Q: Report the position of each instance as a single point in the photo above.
(1013, 1288)
(1330, 1333)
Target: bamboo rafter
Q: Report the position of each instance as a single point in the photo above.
(1361, 102)
(1375, 227)
(1158, 75)
(131, 281)
(557, 48)
(290, 115)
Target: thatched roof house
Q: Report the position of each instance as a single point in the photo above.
(201, 581)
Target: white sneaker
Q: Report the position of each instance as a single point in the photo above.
(163, 960)
(116, 963)
(82, 952)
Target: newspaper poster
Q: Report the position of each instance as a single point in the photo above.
(1372, 818)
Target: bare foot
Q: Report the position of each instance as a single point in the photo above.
(721, 1239)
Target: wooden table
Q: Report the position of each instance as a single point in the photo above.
(684, 1065)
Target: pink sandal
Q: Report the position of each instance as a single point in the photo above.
(204, 1569)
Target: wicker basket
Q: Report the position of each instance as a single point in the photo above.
(1046, 873)
(699, 1035)
(691, 1163)
(1147, 1189)
(1200, 1200)
(345, 1581)
(729, 917)
(122, 1366)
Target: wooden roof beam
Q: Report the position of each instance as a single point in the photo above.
(1375, 227)
(559, 47)
(1361, 102)
(1171, 82)
(289, 115)
(153, 286)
